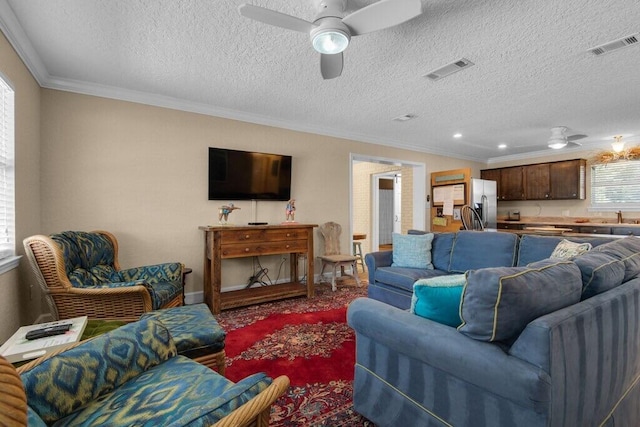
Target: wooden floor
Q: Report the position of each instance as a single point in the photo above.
(386, 247)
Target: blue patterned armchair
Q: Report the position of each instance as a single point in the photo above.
(131, 376)
(80, 275)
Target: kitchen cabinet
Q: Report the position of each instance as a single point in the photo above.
(507, 226)
(537, 181)
(567, 179)
(511, 184)
(541, 181)
(595, 229)
(626, 231)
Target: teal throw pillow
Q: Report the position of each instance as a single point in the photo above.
(412, 250)
(438, 298)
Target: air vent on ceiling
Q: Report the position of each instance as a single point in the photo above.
(614, 45)
(449, 69)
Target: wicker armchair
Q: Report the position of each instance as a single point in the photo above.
(79, 275)
(36, 384)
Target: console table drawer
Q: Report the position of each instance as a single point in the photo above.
(232, 236)
(237, 250)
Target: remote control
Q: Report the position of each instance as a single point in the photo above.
(47, 332)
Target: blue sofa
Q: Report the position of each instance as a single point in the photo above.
(458, 252)
(578, 365)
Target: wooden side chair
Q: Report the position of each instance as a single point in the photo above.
(330, 232)
(470, 219)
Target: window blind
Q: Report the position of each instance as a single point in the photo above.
(616, 185)
(7, 198)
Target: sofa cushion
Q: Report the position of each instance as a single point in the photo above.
(534, 248)
(480, 249)
(498, 303)
(404, 278)
(440, 248)
(566, 249)
(600, 272)
(177, 392)
(438, 298)
(62, 384)
(412, 250)
(626, 250)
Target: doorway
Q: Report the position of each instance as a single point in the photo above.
(365, 173)
(389, 207)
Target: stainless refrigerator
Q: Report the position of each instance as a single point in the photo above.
(484, 200)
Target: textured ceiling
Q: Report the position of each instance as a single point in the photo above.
(532, 70)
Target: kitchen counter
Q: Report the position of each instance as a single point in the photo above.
(548, 225)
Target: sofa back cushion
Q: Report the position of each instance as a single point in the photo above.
(498, 303)
(626, 250)
(534, 248)
(63, 383)
(481, 249)
(600, 272)
(88, 257)
(441, 247)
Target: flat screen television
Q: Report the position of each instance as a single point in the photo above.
(244, 175)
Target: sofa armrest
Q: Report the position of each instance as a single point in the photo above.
(481, 364)
(376, 260)
(166, 272)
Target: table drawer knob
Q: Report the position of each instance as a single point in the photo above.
(247, 249)
(246, 236)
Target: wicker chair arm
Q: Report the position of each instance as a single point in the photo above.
(122, 303)
(256, 411)
(13, 401)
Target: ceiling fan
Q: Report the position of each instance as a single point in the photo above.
(559, 139)
(330, 32)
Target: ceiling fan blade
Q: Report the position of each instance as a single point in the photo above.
(331, 65)
(573, 143)
(576, 137)
(277, 19)
(381, 15)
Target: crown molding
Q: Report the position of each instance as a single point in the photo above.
(13, 31)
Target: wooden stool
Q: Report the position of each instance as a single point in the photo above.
(357, 248)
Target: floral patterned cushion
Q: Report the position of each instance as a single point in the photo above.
(567, 249)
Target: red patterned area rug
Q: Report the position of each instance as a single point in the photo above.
(309, 341)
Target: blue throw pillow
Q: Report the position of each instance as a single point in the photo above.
(413, 251)
(438, 298)
(498, 303)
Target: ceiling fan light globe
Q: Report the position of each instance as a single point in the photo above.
(330, 42)
(557, 144)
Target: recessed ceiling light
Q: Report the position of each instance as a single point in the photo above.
(502, 146)
(457, 135)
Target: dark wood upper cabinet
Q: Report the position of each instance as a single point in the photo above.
(567, 179)
(511, 184)
(536, 181)
(541, 181)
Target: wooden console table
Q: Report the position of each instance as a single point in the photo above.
(224, 242)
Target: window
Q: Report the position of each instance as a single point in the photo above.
(7, 199)
(616, 186)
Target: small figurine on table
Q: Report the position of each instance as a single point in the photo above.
(290, 210)
(224, 211)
